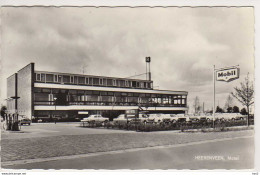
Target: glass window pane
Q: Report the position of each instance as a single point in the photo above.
(81, 80)
(66, 79)
(73, 92)
(43, 77)
(55, 78)
(110, 93)
(88, 92)
(41, 97)
(90, 80)
(38, 77)
(46, 90)
(95, 81)
(37, 90)
(49, 78)
(103, 93)
(96, 92)
(109, 82)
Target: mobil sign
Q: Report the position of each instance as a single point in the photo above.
(227, 74)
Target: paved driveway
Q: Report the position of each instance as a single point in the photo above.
(58, 129)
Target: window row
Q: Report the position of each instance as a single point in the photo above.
(104, 93)
(62, 99)
(81, 80)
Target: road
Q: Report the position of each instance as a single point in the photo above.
(198, 155)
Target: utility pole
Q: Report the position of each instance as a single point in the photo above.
(213, 96)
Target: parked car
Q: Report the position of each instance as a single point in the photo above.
(228, 116)
(120, 119)
(95, 118)
(142, 118)
(192, 118)
(155, 118)
(182, 118)
(167, 118)
(241, 117)
(25, 121)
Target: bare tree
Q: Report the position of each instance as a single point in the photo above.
(196, 104)
(229, 103)
(245, 94)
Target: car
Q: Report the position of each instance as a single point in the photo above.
(182, 118)
(241, 117)
(228, 116)
(167, 118)
(192, 118)
(120, 119)
(25, 121)
(142, 118)
(155, 118)
(95, 118)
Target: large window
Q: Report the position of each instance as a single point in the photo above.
(81, 80)
(66, 79)
(38, 77)
(41, 97)
(101, 81)
(49, 78)
(55, 78)
(43, 77)
(71, 79)
(59, 78)
(109, 82)
(134, 83)
(114, 82)
(90, 80)
(95, 81)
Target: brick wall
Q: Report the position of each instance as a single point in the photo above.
(24, 78)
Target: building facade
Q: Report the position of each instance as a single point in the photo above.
(44, 94)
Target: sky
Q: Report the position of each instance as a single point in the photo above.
(183, 43)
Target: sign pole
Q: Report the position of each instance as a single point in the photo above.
(214, 96)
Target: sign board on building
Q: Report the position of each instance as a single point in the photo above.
(131, 112)
(83, 112)
(227, 74)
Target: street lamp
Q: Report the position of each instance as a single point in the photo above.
(55, 98)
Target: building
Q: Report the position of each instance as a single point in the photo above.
(43, 94)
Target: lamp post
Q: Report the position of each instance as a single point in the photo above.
(55, 98)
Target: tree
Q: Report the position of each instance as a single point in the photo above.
(235, 109)
(229, 103)
(3, 111)
(243, 111)
(196, 104)
(229, 109)
(245, 94)
(219, 110)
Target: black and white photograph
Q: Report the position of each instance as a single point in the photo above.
(133, 88)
